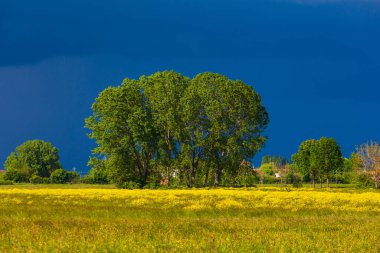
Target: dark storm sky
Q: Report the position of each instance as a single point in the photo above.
(316, 63)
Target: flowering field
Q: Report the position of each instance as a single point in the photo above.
(218, 220)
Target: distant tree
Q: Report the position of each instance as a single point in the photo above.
(267, 168)
(369, 154)
(279, 161)
(281, 164)
(319, 158)
(305, 159)
(35, 157)
(329, 158)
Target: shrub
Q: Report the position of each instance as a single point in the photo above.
(151, 186)
(267, 168)
(5, 182)
(363, 179)
(129, 185)
(17, 175)
(59, 176)
(96, 176)
(36, 179)
(73, 176)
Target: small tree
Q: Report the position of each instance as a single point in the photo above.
(34, 157)
(305, 161)
(319, 158)
(328, 158)
(369, 154)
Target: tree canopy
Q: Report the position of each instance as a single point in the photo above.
(170, 126)
(318, 158)
(34, 157)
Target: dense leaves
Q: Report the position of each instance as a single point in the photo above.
(35, 157)
(319, 159)
(167, 127)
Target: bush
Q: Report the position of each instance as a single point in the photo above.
(5, 182)
(59, 176)
(96, 176)
(46, 180)
(268, 179)
(362, 179)
(19, 175)
(73, 176)
(153, 186)
(36, 179)
(267, 168)
(129, 185)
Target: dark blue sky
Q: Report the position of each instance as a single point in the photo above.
(316, 63)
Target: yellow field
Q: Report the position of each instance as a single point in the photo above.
(215, 220)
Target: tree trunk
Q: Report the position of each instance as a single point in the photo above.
(187, 173)
(192, 176)
(206, 178)
(327, 181)
(218, 175)
(313, 181)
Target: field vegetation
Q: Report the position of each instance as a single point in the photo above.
(85, 218)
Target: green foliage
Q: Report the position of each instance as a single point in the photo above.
(319, 159)
(96, 176)
(36, 179)
(329, 157)
(276, 160)
(165, 124)
(33, 157)
(129, 185)
(304, 159)
(46, 180)
(6, 182)
(62, 176)
(21, 174)
(294, 179)
(267, 168)
(73, 176)
(123, 127)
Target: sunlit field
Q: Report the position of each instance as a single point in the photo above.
(269, 219)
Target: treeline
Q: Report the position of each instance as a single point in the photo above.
(321, 161)
(169, 129)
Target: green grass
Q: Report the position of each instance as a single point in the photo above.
(85, 218)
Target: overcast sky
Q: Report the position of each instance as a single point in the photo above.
(316, 63)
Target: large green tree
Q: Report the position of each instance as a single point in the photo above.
(223, 124)
(193, 128)
(164, 91)
(123, 126)
(34, 157)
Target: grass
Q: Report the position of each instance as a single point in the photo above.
(85, 218)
